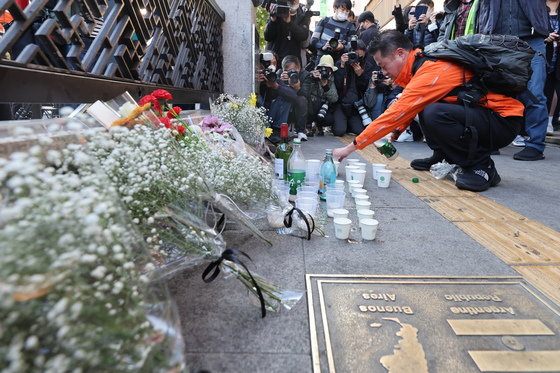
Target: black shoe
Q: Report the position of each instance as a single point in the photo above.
(495, 152)
(478, 180)
(528, 154)
(424, 164)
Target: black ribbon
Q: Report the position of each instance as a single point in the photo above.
(221, 221)
(288, 219)
(231, 255)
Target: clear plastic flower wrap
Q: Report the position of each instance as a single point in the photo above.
(443, 169)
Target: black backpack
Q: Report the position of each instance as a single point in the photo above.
(501, 63)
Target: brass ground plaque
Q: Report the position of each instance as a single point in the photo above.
(431, 324)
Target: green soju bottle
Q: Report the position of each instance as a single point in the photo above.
(282, 154)
(386, 148)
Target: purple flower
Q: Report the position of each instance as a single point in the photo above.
(214, 124)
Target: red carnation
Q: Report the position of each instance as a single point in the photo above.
(181, 129)
(166, 122)
(162, 94)
(152, 100)
(176, 110)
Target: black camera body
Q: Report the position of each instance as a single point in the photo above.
(269, 70)
(333, 43)
(282, 7)
(353, 55)
(293, 76)
(379, 77)
(270, 74)
(325, 73)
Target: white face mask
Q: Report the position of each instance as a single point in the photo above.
(294, 7)
(341, 16)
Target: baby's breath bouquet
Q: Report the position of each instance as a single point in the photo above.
(73, 283)
(249, 120)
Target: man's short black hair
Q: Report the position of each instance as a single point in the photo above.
(366, 16)
(288, 60)
(428, 3)
(346, 4)
(361, 45)
(389, 41)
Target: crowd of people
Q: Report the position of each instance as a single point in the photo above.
(350, 77)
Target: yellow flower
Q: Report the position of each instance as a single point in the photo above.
(267, 132)
(234, 106)
(253, 99)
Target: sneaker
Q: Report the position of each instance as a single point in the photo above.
(550, 129)
(406, 136)
(528, 154)
(424, 164)
(478, 180)
(518, 141)
(302, 136)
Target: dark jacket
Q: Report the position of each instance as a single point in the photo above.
(420, 36)
(490, 10)
(286, 38)
(448, 22)
(290, 94)
(351, 87)
(368, 34)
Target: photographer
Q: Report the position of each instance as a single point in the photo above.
(422, 26)
(286, 30)
(375, 97)
(322, 92)
(351, 80)
(332, 34)
(292, 89)
(368, 25)
(268, 65)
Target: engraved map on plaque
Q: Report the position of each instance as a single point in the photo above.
(431, 324)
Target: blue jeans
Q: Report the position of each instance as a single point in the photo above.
(536, 114)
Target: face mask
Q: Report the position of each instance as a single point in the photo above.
(294, 8)
(341, 16)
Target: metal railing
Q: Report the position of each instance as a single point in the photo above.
(78, 51)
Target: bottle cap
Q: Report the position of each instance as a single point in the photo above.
(415, 180)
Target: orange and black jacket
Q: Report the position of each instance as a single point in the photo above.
(433, 81)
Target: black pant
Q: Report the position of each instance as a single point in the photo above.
(551, 86)
(345, 119)
(444, 128)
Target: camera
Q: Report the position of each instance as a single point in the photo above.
(353, 55)
(333, 43)
(379, 77)
(293, 76)
(282, 7)
(269, 70)
(310, 13)
(325, 73)
(366, 120)
(323, 111)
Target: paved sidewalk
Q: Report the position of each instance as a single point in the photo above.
(223, 330)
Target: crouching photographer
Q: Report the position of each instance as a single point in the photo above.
(375, 98)
(291, 105)
(266, 72)
(351, 80)
(322, 93)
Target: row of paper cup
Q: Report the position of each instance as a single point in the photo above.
(357, 171)
(368, 228)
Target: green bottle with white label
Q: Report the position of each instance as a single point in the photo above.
(282, 154)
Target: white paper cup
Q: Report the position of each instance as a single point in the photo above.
(342, 228)
(352, 160)
(362, 165)
(352, 184)
(359, 175)
(354, 187)
(375, 167)
(348, 170)
(384, 178)
(369, 228)
(358, 191)
(365, 214)
(361, 197)
(363, 205)
(340, 183)
(340, 213)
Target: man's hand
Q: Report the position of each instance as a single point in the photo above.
(272, 11)
(423, 19)
(287, 19)
(296, 86)
(316, 74)
(260, 77)
(357, 69)
(412, 23)
(341, 153)
(339, 46)
(553, 36)
(284, 76)
(393, 136)
(343, 60)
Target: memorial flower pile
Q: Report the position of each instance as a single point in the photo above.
(74, 273)
(249, 120)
